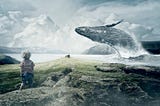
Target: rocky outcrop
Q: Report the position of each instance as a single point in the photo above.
(138, 87)
(152, 46)
(102, 49)
(106, 85)
(150, 71)
(53, 92)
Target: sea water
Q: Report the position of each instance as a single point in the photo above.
(147, 59)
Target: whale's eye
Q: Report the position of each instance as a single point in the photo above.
(103, 40)
(83, 29)
(99, 31)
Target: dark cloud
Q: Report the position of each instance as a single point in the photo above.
(125, 2)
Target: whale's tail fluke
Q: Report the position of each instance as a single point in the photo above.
(114, 24)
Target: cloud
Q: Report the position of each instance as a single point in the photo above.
(59, 10)
(140, 16)
(143, 12)
(15, 5)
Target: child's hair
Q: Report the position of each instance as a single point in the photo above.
(26, 54)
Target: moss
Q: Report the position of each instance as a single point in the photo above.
(76, 83)
(8, 81)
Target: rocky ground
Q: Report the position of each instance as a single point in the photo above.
(74, 82)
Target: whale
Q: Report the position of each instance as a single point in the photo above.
(115, 37)
(107, 34)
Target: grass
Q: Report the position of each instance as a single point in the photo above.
(112, 82)
(10, 76)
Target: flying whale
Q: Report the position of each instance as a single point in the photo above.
(115, 37)
(108, 34)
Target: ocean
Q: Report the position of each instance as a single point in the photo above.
(147, 59)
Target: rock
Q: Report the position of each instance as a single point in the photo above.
(58, 95)
(141, 57)
(152, 46)
(109, 86)
(102, 49)
(68, 56)
(111, 67)
(55, 77)
(150, 71)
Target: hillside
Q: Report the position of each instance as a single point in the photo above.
(75, 82)
(7, 60)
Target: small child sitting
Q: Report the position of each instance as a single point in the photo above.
(27, 70)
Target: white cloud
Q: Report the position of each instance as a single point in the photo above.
(17, 29)
(36, 33)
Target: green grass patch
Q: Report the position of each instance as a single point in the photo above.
(10, 74)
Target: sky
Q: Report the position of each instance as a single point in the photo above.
(69, 14)
(138, 11)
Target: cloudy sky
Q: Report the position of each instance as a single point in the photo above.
(68, 14)
(137, 11)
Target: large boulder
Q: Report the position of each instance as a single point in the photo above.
(101, 49)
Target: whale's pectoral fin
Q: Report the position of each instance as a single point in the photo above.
(112, 46)
(114, 24)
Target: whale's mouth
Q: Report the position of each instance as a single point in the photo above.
(82, 31)
(78, 30)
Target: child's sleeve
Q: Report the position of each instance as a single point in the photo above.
(21, 66)
(33, 64)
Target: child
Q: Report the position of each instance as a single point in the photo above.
(27, 68)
